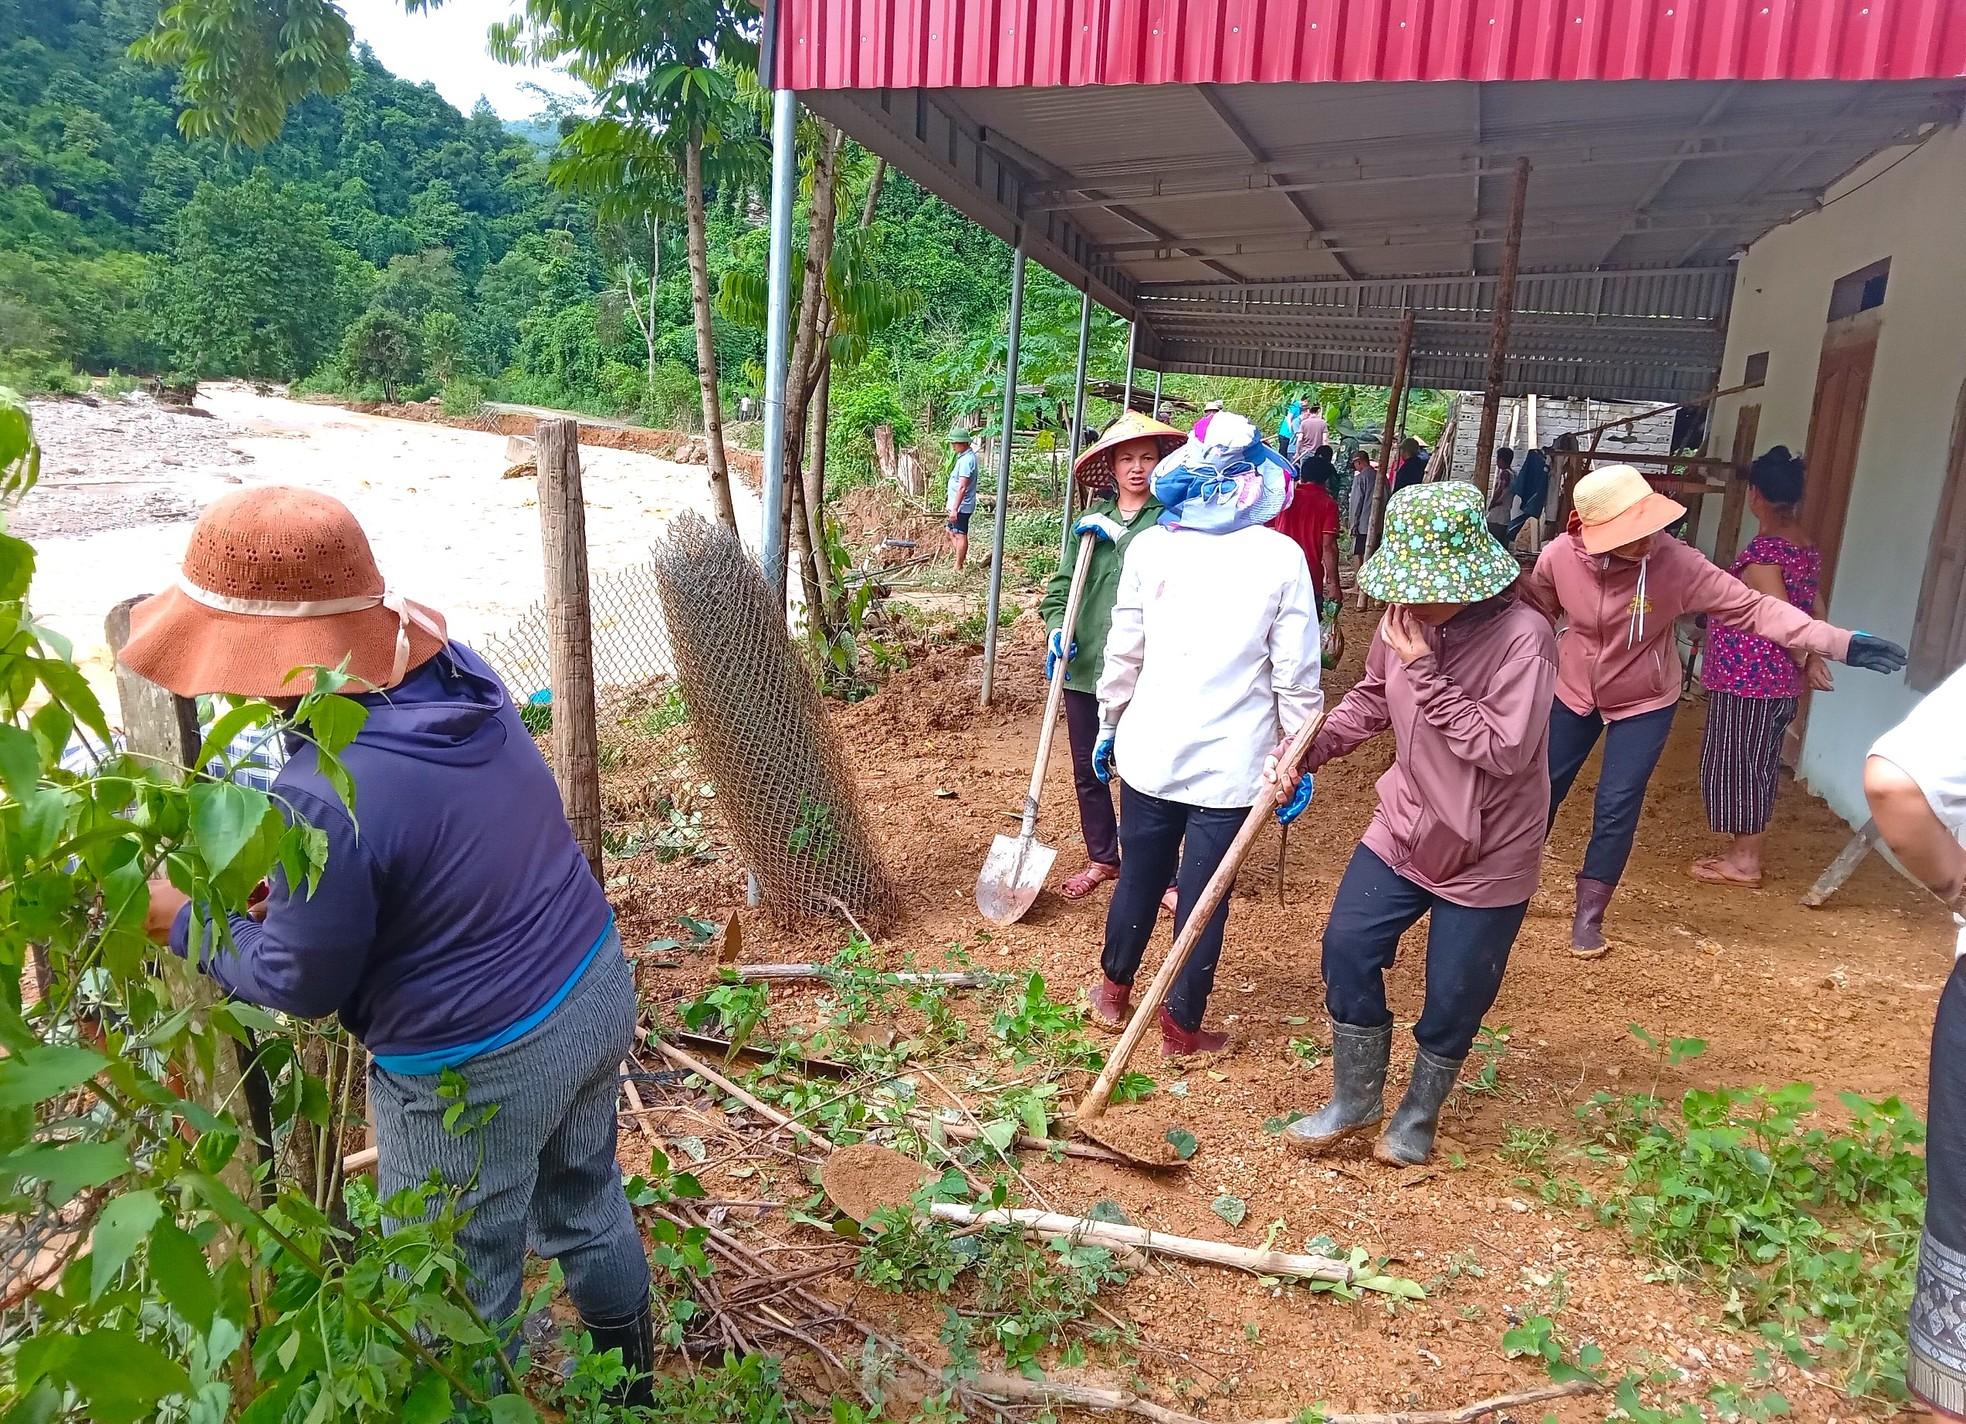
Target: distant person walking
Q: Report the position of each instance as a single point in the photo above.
(1312, 432)
(1365, 488)
(1311, 520)
(1412, 464)
(1753, 686)
(1915, 781)
(962, 491)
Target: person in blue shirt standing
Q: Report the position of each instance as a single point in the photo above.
(962, 491)
(460, 932)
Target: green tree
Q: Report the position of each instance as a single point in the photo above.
(242, 292)
(382, 348)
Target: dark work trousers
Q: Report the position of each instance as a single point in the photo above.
(1467, 950)
(1631, 749)
(1102, 838)
(1151, 832)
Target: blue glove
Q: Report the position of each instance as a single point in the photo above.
(1874, 654)
(1294, 807)
(1100, 527)
(1055, 651)
(1102, 755)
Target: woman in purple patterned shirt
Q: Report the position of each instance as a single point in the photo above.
(1753, 686)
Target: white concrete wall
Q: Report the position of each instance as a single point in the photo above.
(1911, 209)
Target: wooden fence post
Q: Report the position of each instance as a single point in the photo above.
(570, 633)
(161, 725)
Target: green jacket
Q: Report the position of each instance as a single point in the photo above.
(1102, 586)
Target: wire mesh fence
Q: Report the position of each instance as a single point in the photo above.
(631, 638)
(759, 730)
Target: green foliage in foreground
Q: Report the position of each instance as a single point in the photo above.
(1807, 1230)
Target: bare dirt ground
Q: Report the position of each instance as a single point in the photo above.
(121, 481)
(1841, 997)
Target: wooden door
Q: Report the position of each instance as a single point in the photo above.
(1836, 428)
(1727, 534)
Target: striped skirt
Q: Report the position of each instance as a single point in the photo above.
(1741, 760)
(1936, 1371)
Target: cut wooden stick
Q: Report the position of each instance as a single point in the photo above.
(952, 979)
(963, 1132)
(360, 1161)
(1844, 866)
(1116, 1235)
(1100, 1094)
(634, 1096)
(1016, 1389)
(710, 1075)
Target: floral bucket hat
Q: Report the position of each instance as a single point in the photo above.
(1437, 549)
(1226, 481)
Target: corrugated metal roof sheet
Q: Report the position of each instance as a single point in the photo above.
(935, 44)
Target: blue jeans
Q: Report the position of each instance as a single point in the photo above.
(1467, 950)
(1151, 844)
(1632, 747)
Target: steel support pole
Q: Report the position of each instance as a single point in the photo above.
(1498, 332)
(778, 337)
(1006, 437)
(1078, 425)
(1157, 376)
(1132, 335)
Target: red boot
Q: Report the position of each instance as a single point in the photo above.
(1111, 1004)
(1178, 1042)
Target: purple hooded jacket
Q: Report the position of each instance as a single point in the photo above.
(459, 913)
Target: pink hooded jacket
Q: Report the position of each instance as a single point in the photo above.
(1464, 807)
(1616, 655)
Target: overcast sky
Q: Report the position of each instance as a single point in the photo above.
(446, 46)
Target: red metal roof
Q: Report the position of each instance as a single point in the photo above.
(936, 44)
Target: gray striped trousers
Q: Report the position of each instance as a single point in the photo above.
(1741, 760)
(542, 1171)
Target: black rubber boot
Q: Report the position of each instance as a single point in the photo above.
(635, 1338)
(1409, 1138)
(1358, 1089)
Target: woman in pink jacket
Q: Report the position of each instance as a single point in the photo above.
(1460, 671)
(1618, 582)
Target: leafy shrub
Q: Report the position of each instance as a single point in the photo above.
(463, 397)
(672, 400)
(621, 384)
(851, 418)
(1810, 1231)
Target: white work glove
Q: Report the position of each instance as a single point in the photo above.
(1098, 525)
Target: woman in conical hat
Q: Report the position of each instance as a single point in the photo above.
(1618, 581)
(1117, 472)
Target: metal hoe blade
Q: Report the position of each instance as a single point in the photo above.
(1013, 873)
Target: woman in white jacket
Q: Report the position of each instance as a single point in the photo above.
(1213, 658)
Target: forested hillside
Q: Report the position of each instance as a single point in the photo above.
(382, 239)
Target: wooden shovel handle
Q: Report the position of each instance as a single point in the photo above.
(1029, 825)
(1099, 1095)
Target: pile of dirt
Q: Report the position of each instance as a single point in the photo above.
(1135, 1130)
(861, 1179)
(870, 515)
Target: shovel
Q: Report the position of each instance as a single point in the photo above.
(1016, 867)
(1099, 1095)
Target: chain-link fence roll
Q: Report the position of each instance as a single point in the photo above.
(761, 731)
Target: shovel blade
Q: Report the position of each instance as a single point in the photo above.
(1013, 873)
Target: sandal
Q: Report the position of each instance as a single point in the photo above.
(1169, 900)
(1095, 874)
(1713, 871)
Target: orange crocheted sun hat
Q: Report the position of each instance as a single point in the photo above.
(278, 579)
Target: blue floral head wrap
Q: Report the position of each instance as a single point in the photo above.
(1230, 480)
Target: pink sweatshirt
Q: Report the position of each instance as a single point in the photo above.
(1616, 655)
(1462, 809)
